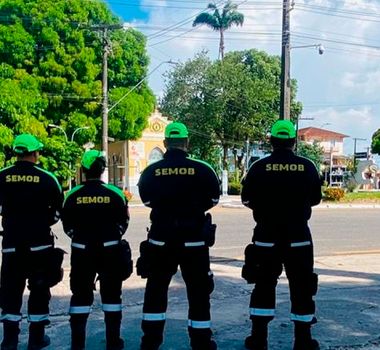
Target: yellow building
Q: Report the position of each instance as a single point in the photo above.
(127, 159)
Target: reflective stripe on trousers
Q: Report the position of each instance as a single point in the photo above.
(154, 317)
(195, 244)
(261, 312)
(32, 249)
(302, 318)
(10, 317)
(112, 307)
(300, 244)
(199, 324)
(80, 309)
(38, 318)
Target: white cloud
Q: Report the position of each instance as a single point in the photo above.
(345, 75)
(367, 83)
(354, 122)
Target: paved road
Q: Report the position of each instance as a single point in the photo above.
(335, 231)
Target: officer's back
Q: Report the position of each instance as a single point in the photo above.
(179, 190)
(29, 197)
(94, 211)
(282, 188)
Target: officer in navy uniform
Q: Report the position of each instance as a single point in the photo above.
(95, 216)
(179, 190)
(281, 189)
(30, 201)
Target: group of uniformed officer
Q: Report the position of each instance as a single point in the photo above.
(179, 190)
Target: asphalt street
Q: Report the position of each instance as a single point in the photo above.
(348, 301)
(335, 231)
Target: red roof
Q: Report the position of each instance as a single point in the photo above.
(321, 134)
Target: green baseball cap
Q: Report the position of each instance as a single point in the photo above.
(89, 157)
(176, 130)
(26, 143)
(283, 129)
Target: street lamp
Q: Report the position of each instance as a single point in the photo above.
(285, 72)
(67, 139)
(320, 47)
(107, 109)
(60, 128)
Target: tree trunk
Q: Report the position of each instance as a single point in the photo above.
(221, 44)
(225, 157)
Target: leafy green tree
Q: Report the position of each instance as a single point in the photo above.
(375, 146)
(51, 72)
(226, 103)
(220, 21)
(314, 152)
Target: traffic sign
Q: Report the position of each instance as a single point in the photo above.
(361, 155)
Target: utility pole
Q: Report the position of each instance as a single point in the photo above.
(106, 50)
(106, 44)
(285, 63)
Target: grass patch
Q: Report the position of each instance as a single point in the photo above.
(372, 197)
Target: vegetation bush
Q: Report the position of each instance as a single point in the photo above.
(234, 188)
(333, 193)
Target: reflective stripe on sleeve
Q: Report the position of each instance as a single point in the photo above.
(80, 309)
(154, 242)
(8, 250)
(38, 318)
(78, 245)
(41, 247)
(263, 244)
(10, 317)
(261, 312)
(154, 317)
(111, 307)
(199, 324)
(195, 244)
(302, 318)
(110, 243)
(300, 244)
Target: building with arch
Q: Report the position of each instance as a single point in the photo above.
(127, 159)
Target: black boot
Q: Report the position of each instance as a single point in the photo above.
(113, 322)
(11, 331)
(37, 338)
(258, 340)
(201, 339)
(153, 334)
(302, 337)
(78, 331)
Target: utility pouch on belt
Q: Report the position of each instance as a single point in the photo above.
(142, 264)
(126, 260)
(250, 267)
(55, 270)
(209, 230)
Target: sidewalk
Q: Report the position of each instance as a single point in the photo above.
(348, 304)
(235, 202)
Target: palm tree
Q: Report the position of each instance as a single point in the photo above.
(220, 21)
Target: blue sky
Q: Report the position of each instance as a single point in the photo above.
(339, 89)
